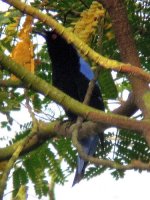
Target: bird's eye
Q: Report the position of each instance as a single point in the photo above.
(54, 36)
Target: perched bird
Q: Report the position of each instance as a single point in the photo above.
(71, 74)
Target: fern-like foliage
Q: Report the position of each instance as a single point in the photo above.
(19, 178)
(129, 146)
(41, 165)
(132, 146)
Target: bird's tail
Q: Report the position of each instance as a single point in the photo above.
(78, 177)
(89, 146)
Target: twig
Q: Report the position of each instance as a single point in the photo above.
(84, 4)
(135, 164)
(80, 119)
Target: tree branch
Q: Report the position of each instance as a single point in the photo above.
(11, 83)
(135, 164)
(57, 129)
(72, 38)
(128, 51)
(128, 108)
(87, 112)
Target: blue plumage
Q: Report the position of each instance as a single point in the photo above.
(85, 69)
(72, 74)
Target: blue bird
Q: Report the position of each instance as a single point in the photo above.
(71, 74)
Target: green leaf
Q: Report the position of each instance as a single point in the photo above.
(19, 178)
(107, 84)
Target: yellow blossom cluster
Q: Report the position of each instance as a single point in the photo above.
(88, 21)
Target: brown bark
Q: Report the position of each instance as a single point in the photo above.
(127, 48)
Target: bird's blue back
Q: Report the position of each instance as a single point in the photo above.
(85, 69)
(71, 74)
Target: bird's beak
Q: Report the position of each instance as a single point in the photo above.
(41, 33)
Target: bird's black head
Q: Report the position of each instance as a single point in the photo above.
(52, 38)
(62, 54)
(56, 44)
(58, 48)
